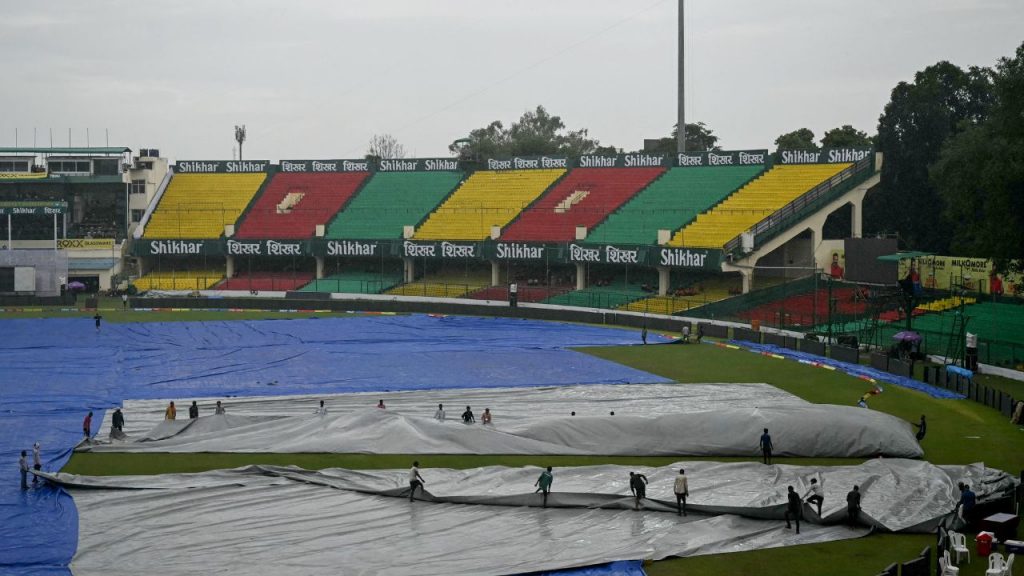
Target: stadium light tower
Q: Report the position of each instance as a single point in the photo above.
(681, 126)
(240, 138)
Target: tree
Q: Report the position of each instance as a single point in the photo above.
(384, 146)
(846, 137)
(802, 139)
(942, 101)
(699, 138)
(536, 133)
(980, 175)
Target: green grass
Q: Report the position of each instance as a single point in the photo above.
(959, 432)
(115, 464)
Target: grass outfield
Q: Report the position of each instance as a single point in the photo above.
(959, 432)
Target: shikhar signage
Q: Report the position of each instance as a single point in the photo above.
(528, 163)
(722, 158)
(221, 166)
(824, 156)
(317, 166)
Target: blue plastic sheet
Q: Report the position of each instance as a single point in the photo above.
(853, 369)
(55, 370)
(621, 568)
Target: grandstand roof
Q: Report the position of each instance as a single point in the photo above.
(33, 150)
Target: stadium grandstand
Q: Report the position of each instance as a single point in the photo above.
(753, 202)
(671, 202)
(199, 206)
(487, 198)
(583, 198)
(293, 204)
(390, 201)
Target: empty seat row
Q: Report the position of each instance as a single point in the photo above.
(198, 206)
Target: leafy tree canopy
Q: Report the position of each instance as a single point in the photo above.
(536, 133)
(846, 136)
(920, 116)
(802, 139)
(979, 173)
(699, 138)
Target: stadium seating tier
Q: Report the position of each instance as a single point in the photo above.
(670, 202)
(198, 206)
(752, 203)
(391, 201)
(293, 204)
(487, 198)
(583, 198)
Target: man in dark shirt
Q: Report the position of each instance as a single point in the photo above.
(967, 501)
(97, 318)
(638, 486)
(793, 508)
(87, 425)
(193, 411)
(118, 419)
(467, 416)
(922, 428)
(766, 447)
(853, 505)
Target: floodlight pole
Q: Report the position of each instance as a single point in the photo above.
(681, 120)
(240, 138)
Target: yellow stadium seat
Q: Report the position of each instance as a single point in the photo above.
(752, 203)
(487, 198)
(179, 280)
(198, 206)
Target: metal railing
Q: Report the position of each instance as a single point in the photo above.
(795, 210)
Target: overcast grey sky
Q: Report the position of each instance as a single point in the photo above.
(316, 79)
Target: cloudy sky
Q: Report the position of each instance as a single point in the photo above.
(317, 79)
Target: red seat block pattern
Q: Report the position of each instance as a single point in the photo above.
(267, 281)
(584, 197)
(292, 205)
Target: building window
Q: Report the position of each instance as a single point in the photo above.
(138, 186)
(137, 215)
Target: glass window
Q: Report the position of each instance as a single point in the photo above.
(137, 215)
(138, 187)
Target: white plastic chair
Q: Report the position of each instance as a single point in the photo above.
(945, 568)
(959, 544)
(996, 565)
(1007, 566)
(1008, 571)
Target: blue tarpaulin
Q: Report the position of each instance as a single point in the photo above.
(622, 568)
(55, 370)
(853, 369)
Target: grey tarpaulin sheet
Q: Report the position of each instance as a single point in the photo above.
(658, 420)
(272, 520)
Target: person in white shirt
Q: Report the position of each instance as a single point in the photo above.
(322, 410)
(439, 415)
(682, 490)
(37, 461)
(817, 494)
(415, 480)
(219, 409)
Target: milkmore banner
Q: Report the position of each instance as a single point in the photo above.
(722, 158)
(317, 166)
(638, 160)
(824, 156)
(528, 163)
(221, 166)
(419, 165)
(949, 272)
